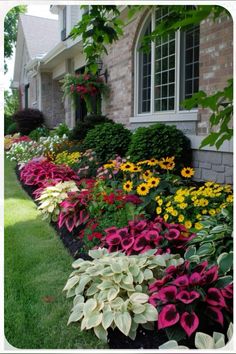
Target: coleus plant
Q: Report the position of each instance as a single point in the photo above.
(142, 235)
(39, 173)
(111, 290)
(190, 296)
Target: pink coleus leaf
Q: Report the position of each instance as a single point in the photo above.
(181, 281)
(216, 314)
(127, 243)
(189, 322)
(195, 279)
(167, 294)
(159, 283)
(211, 275)
(113, 239)
(139, 243)
(187, 296)
(215, 298)
(172, 234)
(154, 299)
(168, 316)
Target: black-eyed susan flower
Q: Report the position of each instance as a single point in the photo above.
(143, 189)
(109, 165)
(230, 198)
(153, 182)
(135, 169)
(153, 162)
(167, 163)
(128, 186)
(147, 174)
(187, 172)
(144, 162)
(127, 166)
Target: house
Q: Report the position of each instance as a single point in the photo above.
(144, 88)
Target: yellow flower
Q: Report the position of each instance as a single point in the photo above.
(158, 210)
(212, 212)
(198, 226)
(204, 211)
(183, 205)
(142, 162)
(188, 224)
(160, 202)
(174, 213)
(109, 165)
(147, 174)
(127, 166)
(167, 163)
(187, 172)
(179, 198)
(143, 189)
(166, 217)
(135, 169)
(168, 204)
(153, 182)
(230, 198)
(153, 162)
(128, 186)
(181, 218)
(199, 216)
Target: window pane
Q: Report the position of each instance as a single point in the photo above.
(145, 76)
(164, 66)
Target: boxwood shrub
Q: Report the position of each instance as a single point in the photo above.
(160, 140)
(81, 129)
(107, 140)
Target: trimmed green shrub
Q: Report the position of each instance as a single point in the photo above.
(28, 119)
(160, 140)
(81, 129)
(38, 132)
(108, 140)
(11, 129)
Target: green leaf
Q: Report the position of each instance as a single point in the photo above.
(116, 268)
(203, 341)
(148, 274)
(138, 308)
(224, 281)
(94, 320)
(191, 251)
(140, 318)
(150, 313)
(107, 319)
(112, 293)
(139, 298)
(175, 332)
(206, 249)
(77, 314)
(123, 322)
(89, 306)
(225, 262)
(101, 333)
(71, 282)
(83, 282)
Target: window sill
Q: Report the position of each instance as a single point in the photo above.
(165, 117)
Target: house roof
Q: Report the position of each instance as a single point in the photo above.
(41, 34)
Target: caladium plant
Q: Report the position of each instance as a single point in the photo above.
(189, 294)
(111, 290)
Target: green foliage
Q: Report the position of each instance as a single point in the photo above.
(61, 129)
(214, 241)
(37, 133)
(160, 140)
(100, 25)
(221, 106)
(11, 129)
(81, 129)
(217, 341)
(11, 105)
(52, 196)
(108, 140)
(111, 290)
(10, 30)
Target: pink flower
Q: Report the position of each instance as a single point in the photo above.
(168, 316)
(187, 296)
(189, 322)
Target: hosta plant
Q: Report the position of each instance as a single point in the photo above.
(111, 290)
(52, 196)
(191, 296)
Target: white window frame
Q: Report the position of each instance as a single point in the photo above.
(165, 116)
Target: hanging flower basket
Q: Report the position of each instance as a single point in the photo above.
(88, 87)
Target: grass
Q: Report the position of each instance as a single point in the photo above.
(36, 268)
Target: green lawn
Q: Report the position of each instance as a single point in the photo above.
(36, 268)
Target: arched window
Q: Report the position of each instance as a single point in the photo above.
(169, 73)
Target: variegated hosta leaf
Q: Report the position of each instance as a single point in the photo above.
(139, 298)
(123, 322)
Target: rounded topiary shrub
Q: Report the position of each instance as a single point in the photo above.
(160, 140)
(81, 129)
(107, 140)
(28, 119)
